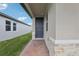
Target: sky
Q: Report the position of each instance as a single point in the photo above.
(16, 11)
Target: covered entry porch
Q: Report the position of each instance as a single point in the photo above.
(38, 13)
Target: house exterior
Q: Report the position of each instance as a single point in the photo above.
(57, 24)
(10, 27)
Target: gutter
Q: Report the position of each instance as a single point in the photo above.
(27, 8)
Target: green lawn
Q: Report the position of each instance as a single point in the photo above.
(14, 46)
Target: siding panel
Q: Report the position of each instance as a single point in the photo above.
(21, 29)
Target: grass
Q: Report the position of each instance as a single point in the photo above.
(14, 46)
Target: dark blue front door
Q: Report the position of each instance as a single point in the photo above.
(39, 23)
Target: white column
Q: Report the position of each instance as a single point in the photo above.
(33, 28)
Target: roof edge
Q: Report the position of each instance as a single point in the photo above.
(11, 18)
(27, 9)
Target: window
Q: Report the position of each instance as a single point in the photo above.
(14, 26)
(47, 24)
(8, 25)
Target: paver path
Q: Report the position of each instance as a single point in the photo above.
(35, 48)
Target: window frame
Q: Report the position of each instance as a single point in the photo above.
(14, 26)
(7, 25)
(47, 24)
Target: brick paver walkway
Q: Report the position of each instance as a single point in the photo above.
(35, 48)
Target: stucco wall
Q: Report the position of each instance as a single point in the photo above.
(67, 29)
(67, 21)
(52, 20)
(51, 28)
(63, 24)
(33, 28)
(20, 29)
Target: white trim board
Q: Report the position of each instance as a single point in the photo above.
(65, 41)
(71, 41)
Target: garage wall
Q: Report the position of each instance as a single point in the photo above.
(20, 29)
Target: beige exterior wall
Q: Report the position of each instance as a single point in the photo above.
(51, 34)
(63, 26)
(67, 21)
(52, 20)
(67, 29)
(33, 28)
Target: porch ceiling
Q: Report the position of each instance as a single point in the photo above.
(37, 9)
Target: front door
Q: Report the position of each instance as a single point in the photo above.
(39, 25)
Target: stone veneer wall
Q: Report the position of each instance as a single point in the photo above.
(67, 29)
(66, 49)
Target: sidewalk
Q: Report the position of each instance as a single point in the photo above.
(35, 48)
